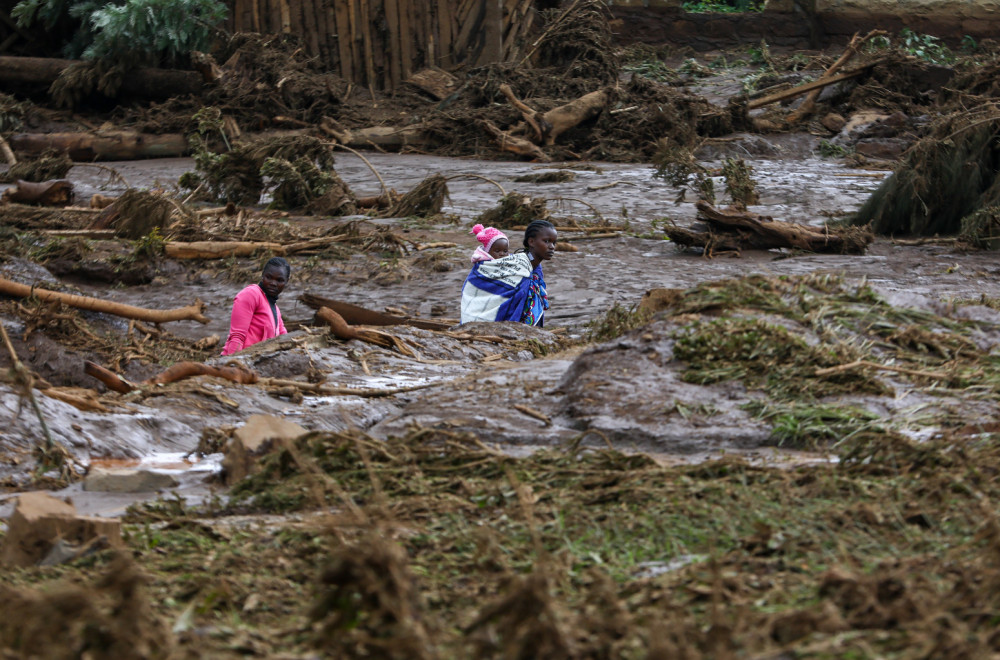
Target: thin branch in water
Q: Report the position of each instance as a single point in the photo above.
(23, 376)
(477, 176)
(113, 174)
(385, 189)
(576, 199)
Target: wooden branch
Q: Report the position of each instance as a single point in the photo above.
(342, 330)
(190, 313)
(513, 144)
(530, 115)
(809, 102)
(355, 315)
(934, 375)
(574, 113)
(807, 87)
(531, 412)
(177, 372)
(23, 375)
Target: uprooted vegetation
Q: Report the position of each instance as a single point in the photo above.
(820, 358)
(443, 547)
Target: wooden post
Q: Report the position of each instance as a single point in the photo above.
(492, 33)
(395, 43)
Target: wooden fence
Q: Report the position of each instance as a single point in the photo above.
(380, 43)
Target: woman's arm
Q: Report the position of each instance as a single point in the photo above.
(239, 322)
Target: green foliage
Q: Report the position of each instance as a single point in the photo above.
(616, 322)
(926, 47)
(691, 67)
(810, 426)
(969, 44)
(828, 149)
(674, 162)
(150, 246)
(652, 69)
(295, 183)
(740, 185)
(981, 228)
(761, 54)
(722, 6)
(148, 32)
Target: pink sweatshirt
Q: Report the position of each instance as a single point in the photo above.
(251, 321)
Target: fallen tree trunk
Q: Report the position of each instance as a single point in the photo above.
(356, 315)
(130, 145)
(57, 192)
(145, 83)
(341, 329)
(764, 233)
(218, 249)
(190, 313)
(224, 249)
(105, 145)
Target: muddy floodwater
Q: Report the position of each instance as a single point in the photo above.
(476, 385)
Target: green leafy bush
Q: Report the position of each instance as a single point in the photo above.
(147, 32)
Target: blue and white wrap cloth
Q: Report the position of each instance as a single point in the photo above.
(506, 289)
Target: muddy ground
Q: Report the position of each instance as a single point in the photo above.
(785, 453)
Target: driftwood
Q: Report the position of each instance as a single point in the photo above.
(104, 145)
(710, 242)
(146, 83)
(808, 87)
(435, 81)
(762, 232)
(190, 313)
(224, 249)
(809, 102)
(531, 116)
(573, 113)
(514, 144)
(177, 372)
(356, 315)
(218, 249)
(5, 151)
(343, 330)
(58, 192)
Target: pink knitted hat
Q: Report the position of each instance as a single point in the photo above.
(487, 236)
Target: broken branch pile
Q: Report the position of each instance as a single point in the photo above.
(732, 230)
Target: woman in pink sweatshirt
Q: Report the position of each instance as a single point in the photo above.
(255, 314)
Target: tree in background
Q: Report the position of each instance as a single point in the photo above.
(133, 32)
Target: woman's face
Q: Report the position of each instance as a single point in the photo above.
(543, 244)
(273, 281)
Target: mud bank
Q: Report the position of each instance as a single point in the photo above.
(788, 24)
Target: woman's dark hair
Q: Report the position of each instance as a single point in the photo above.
(278, 262)
(534, 228)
